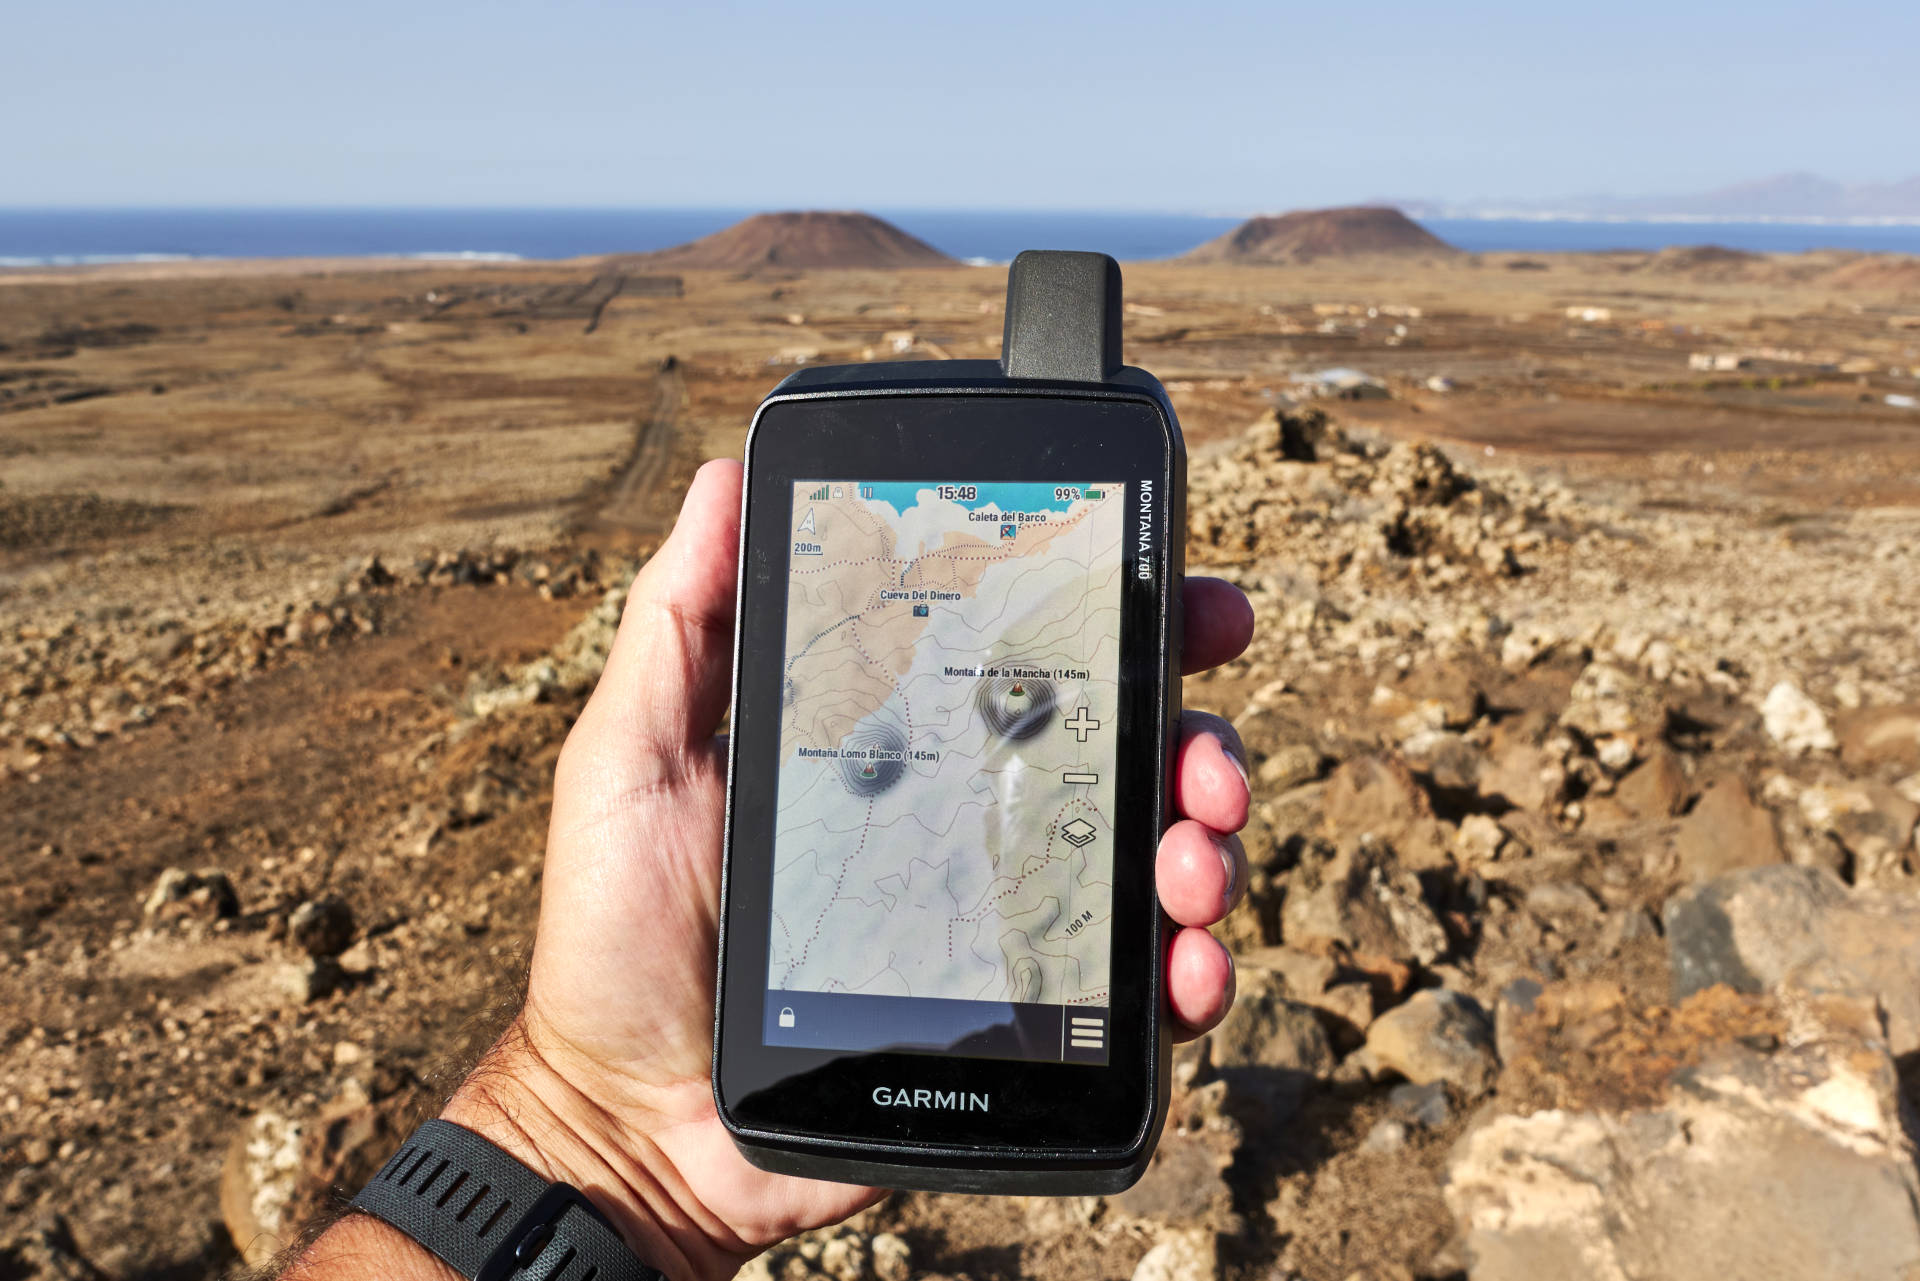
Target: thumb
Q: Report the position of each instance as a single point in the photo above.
(669, 674)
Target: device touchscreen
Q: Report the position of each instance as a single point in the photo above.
(943, 848)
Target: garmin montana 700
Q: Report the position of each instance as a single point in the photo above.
(955, 694)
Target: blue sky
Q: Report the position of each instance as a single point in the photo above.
(1228, 108)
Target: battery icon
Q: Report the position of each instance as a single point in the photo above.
(1095, 495)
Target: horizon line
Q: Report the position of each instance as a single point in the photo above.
(1430, 214)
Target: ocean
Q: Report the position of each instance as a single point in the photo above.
(65, 237)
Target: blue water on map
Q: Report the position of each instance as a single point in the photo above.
(64, 237)
(1007, 496)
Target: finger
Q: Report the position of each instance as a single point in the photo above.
(1218, 623)
(669, 674)
(1210, 773)
(1199, 982)
(1200, 873)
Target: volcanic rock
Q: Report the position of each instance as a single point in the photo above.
(1449, 760)
(1343, 996)
(809, 239)
(1438, 1035)
(1309, 437)
(1881, 735)
(1771, 928)
(1289, 766)
(1307, 234)
(1610, 699)
(1305, 975)
(1377, 797)
(203, 895)
(322, 926)
(1562, 903)
(1426, 1105)
(1656, 788)
(1874, 823)
(1452, 688)
(311, 979)
(1186, 1180)
(1520, 771)
(1725, 830)
(1271, 1045)
(1366, 899)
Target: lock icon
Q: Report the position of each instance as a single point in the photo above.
(786, 1016)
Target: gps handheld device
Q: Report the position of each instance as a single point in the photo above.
(955, 696)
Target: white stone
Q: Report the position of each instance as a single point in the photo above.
(1822, 805)
(1480, 838)
(1796, 1169)
(1188, 1255)
(1795, 721)
(1618, 751)
(1525, 646)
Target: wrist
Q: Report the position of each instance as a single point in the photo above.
(520, 1100)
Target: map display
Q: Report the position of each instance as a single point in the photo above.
(947, 751)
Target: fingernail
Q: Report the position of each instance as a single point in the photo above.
(1232, 864)
(1238, 764)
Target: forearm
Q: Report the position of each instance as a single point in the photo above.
(362, 1247)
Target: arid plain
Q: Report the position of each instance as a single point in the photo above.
(1589, 596)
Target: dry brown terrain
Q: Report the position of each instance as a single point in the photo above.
(1307, 234)
(803, 239)
(304, 571)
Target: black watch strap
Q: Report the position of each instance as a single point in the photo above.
(490, 1218)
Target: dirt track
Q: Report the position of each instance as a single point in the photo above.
(635, 504)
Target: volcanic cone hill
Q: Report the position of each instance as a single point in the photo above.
(809, 239)
(1308, 234)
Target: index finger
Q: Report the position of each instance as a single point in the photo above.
(1219, 623)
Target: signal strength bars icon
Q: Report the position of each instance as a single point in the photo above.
(819, 495)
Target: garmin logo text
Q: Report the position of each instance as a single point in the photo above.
(953, 1099)
(1145, 567)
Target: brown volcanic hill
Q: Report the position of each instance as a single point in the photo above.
(810, 239)
(1307, 234)
(1889, 273)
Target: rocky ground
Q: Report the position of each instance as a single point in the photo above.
(1583, 937)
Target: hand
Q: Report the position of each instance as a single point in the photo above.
(604, 1080)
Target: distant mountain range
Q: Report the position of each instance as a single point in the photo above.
(1788, 197)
